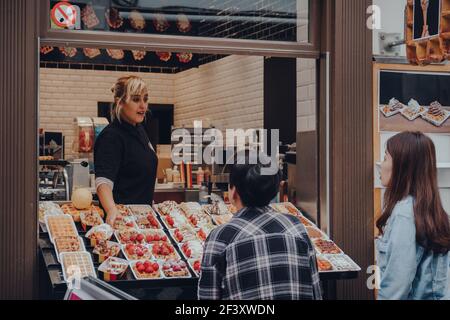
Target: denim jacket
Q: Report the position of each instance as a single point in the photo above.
(407, 271)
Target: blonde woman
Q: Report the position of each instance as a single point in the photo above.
(125, 160)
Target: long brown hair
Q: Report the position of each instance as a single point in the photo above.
(414, 173)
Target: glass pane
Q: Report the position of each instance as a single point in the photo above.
(282, 20)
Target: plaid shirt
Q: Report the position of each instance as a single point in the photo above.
(259, 255)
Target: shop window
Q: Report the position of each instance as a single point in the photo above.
(286, 20)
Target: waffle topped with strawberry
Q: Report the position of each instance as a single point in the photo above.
(164, 251)
(146, 270)
(154, 236)
(173, 268)
(130, 236)
(147, 222)
(184, 234)
(136, 252)
(123, 223)
(192, 249)
(175, 220)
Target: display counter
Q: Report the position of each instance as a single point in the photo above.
(330, 267)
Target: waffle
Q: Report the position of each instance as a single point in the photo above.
(69, 209)
(142, 274)
(314, 233)
(136, 252)
(140, 210)
(124, 211)
(91, 218)
(82, 260)
(167, 207)
(190, 208)
(61, 226)
(175, 269)
(305, 221)
(68, 244)
(326, 247)
(343, 263)
(323, 264)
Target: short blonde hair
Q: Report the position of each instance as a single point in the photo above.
(123, 89)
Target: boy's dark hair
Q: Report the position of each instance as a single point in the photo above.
(254, 189)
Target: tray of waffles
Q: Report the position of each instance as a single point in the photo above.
(60, 225)
(76, 264)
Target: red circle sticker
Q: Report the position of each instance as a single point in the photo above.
(64, 15)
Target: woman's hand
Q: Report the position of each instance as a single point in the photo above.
(111, 217)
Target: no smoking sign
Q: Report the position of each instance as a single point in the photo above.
(65, 15)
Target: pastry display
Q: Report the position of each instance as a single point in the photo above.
(323, 264)
(60, 226)
(68, 244)
(167, 207)
(138, 55)
(106, 249)
(116, 54)
(342, 262)
(48, 208)
(183, 23)
(90, 219)
(314, 233)
(113, 268)
(175, 269)
(164, 56)
(77, 263)
(164, 251)
(89, 17)
(195, 265)
(184, 57)
(154, 236)
(184, 234)
(192, 249)
(326, 246)
(160, 22)
(130, 235)
(46, 49)
(68, 51)
(99, 233)
(136, 251)
(436, 114)
(413, 110)
(122, 223)
(145, 270)
(137, 20)
(148, 222)
(91, 52)
(392, 108)
(113, 18)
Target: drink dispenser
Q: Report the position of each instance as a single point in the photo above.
(84, 139)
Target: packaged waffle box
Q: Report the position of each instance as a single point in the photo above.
(105, 249)
(102, 232)
(90, 219)
(113, 269)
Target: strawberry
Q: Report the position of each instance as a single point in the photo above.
(133, 238)
(149, 269)
(139, 263)
(156, 237)
(140, 253)
(176, 268)
(147, 263)
(170, 221)
(171, 249)
(129, 224)
(141, 268)
(166, 266)
(129, 245)
(197, 265)
(140, 237)
(164, 238)
(149, 238)
(188, 252)
(155, 266)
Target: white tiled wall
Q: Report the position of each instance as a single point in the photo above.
(68, 93)
(306, 95)
(228, 92)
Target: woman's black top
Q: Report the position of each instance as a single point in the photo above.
(124, 155)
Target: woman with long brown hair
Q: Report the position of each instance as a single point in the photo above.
(414, 243)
